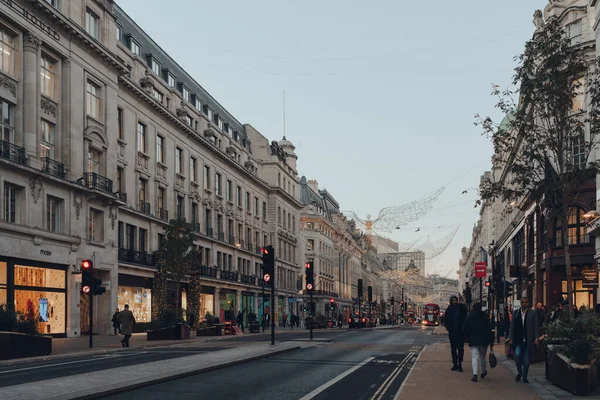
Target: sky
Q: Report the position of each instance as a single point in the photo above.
(380, 99)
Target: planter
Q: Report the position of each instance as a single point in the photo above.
(19, 345)
(580, 380)
(178, 332)
(208, 331)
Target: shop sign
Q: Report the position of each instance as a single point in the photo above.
(47, 253)
(590, 278)
(480, 269)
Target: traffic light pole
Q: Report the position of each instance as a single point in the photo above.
(91, 294)
(273, 310)
(312, 314)
(264, 319)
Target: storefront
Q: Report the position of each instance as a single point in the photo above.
(227, 305)
(37, 290)
(207, 300)
(136, 291)
(247, 303)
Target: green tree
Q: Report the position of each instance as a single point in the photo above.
(175, 257)
(551, 130)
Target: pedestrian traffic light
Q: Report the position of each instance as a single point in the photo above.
(87, 276)
(370, 293)
(268, 260)
(310, 277)
(360, 288)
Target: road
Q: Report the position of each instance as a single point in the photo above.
(359, 365)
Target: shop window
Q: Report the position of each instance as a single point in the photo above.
(581, 296)
(576, 228)
(96, 226)
(3, 281)
(139, 301)
(207, 305)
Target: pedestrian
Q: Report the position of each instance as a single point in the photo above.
(454, 318)
(240, 320)
(115, 322)
(542, 315)
(477, 329)
(523, 337)
(126, 320)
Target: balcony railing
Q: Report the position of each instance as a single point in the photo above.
(163, 214)
(231, 239)
(209, 232)
(250, 247)
(221, 236)
(92, 180)
(144, 207)
(122, 196)
(249, 279)
(229, 276)
(208, 271)
(136, 257)
(53, 168)
(195, 227)
(258, 250)
(13, 152)
(322, 293)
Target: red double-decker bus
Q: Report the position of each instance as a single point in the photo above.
(431, 316)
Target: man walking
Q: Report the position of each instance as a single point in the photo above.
(523, 336)
(127, 320)
(454, 318)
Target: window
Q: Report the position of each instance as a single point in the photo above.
(161, 199)
(120, 181)
(93, 100)
(7, 121)
(218, 184)
(230, 131)
(248, 206)
(194, 215)
(210, 114)
(185, 93)
(48, 76)
(119, 33)
(160, 149)
(228, 190)
(96, 225)
(294, 224)
(47, 140)
(579, 156)
(7, 52)
(142, 235)
(141, 129)
(193, 170)
(264, 210)
(256, 206)
(574, 32)
(155, 66)
(53, 214)
(189, 120)
(178, 160)
(134, 46)
(53, 3)
(206, 177)
(92, 23)
(578, 94)
(180, 208)
(171, 80)
(157, 95)
(220, 123)
(576, 229)
(142, 192)
(11, 195)
(120, 131)
(239, 196)
(198, 104)
(93, 161)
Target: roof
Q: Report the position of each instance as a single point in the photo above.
(150, 47)
(506, 121)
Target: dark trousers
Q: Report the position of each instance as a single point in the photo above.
(457, 347)
(125, 340)
(117, 329)
(522, 359)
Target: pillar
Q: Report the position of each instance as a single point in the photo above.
(256, 303)
(217, 303)
(31, 49)
(238, 300)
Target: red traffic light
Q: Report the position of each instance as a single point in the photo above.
(309, 286)
(331, 300)
(487, 284)
(85, 289)
(266, 277)
(307, 265)
(264, 250)
(86, 264)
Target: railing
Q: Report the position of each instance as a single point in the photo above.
(258, 250)
(92, 180)
(195, 227)
(163, 214)
(322, 293)
(144, 207)
(122, 196)
(231, 239)
(136, 257)
(221, 236)
(249, 247)
(209, 232)
(229, 276)
(53, 168)
(249, 279)
(13, 152)
(208, 271)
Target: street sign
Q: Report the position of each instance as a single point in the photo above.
(480, 269)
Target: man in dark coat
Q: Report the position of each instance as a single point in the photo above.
(454, 319)
(478, 329)
(523, 336)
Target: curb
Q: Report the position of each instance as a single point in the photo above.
(202, 370)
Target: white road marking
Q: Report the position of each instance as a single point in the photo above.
(397, 396)
(338, 378)
(387, 383)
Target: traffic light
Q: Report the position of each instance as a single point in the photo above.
(310, 277)
(360, 288)
(87, 277)
(370, 293)
(98, 288)
(487, 284)
(268, 261)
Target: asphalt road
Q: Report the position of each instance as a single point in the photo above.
(369, 365)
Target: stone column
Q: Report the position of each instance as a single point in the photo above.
(217, 303)
(31, 50)
(64, 138)
(255, 304)
(238, 300)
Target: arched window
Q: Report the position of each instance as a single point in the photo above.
(576, 231)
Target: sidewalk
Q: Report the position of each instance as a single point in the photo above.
(432, 378)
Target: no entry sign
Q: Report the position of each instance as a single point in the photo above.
(480, 269)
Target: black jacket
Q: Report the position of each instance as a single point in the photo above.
(454, 318)
(477, 329)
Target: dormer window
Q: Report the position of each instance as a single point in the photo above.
(236, 136)
(210, 114)
(119, 33)
(229, 130)
(198, 104)
(170, 79)
(185, 92)
(220, 123)
(155, 66)
(134, 46)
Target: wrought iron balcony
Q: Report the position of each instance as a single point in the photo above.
(13, 152)
(92, 180)
(231, 239)
(53, 168)
(163, 214)
(195, 226)
(136, 257)
(144, 207)
(209, 232)
(122, 196)
(221, 236)
(250, 247)
(208, 271)
(229, 276)
(249, 279)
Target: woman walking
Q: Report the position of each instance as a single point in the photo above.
(477, 330)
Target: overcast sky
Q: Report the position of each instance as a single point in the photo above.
(380, 96)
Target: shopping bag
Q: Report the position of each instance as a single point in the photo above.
(493, 361)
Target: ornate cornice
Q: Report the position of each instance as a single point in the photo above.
(8, 84)
(48, 106)
(31, 42)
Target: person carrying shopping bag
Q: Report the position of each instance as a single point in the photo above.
(477, 329)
